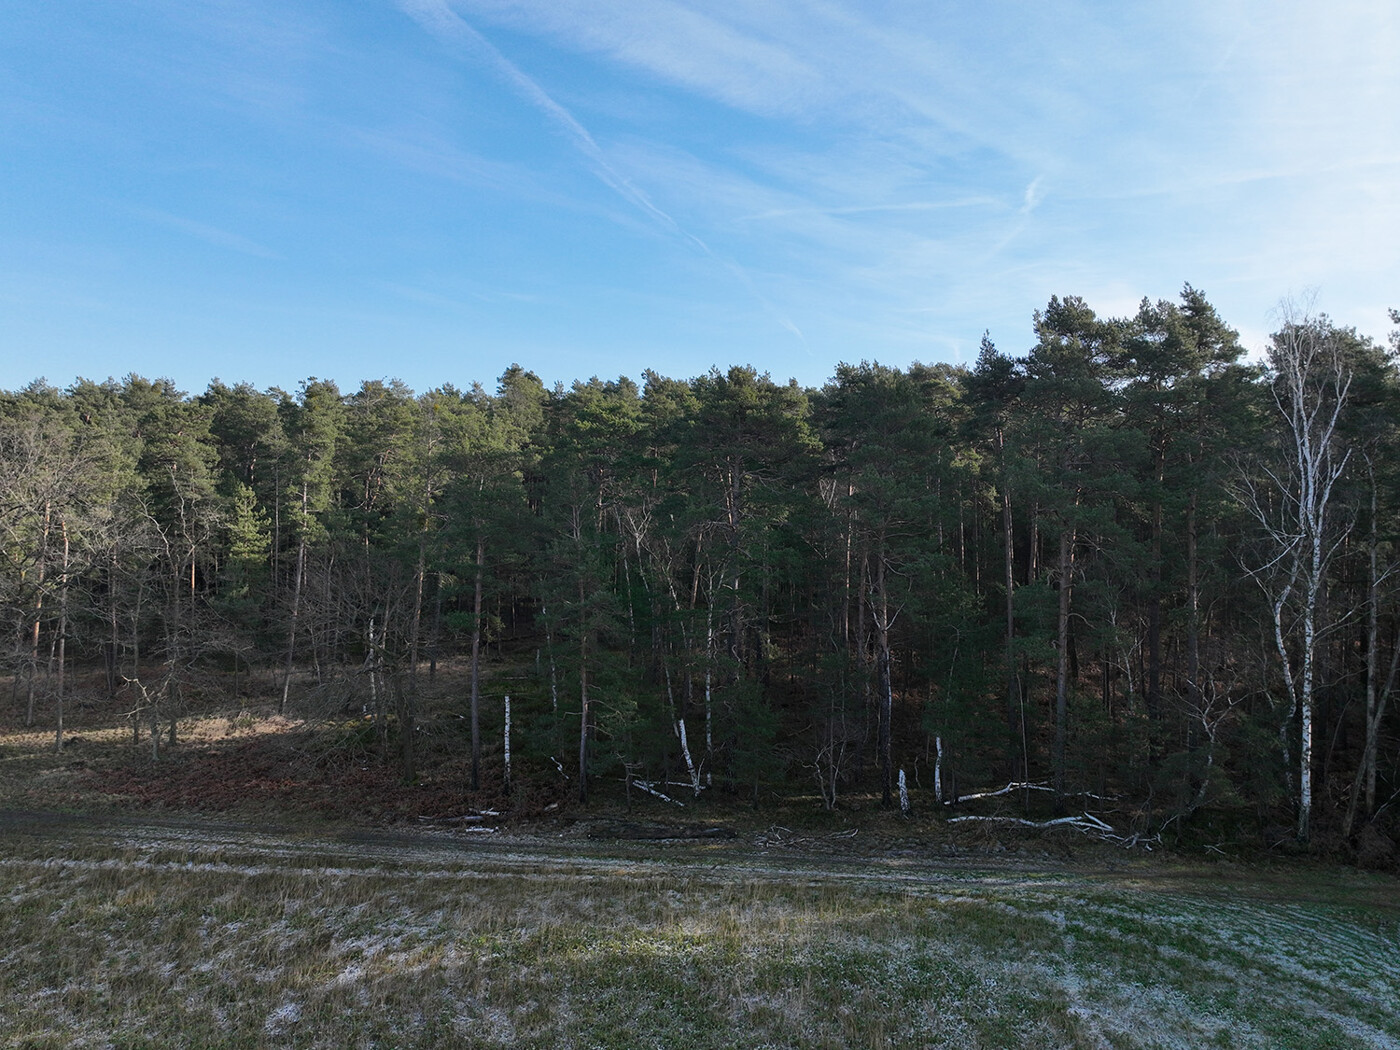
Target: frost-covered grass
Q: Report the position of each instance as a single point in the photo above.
(130, 937)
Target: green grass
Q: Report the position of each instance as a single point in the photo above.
(144, 936)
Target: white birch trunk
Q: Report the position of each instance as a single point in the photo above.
(1311, 384)
(937, 768)
(370, 664)
(679, 727)
(709, 723)
(689, 764)
(507, 744)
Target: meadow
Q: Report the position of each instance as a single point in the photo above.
(119, 932)
(244, 892)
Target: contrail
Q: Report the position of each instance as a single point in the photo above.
(440, 20)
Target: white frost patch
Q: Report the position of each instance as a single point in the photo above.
(281, 1019)
(350, 975)
(476, 1022)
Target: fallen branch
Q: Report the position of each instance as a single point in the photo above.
(1085, 822)
(1096, 822)
(1072, 821)
(645, 785)
(1136, 840)
(672, 783)
(1027, 787)
(1003, 791)
(778, 835)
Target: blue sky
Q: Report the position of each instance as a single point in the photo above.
(266, 190)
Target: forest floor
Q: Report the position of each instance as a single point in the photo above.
(266, 883)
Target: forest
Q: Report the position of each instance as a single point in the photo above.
(1127, 563)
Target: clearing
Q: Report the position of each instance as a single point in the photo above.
(136, 931)
(266, 883)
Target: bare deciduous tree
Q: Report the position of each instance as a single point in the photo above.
(1291, 497)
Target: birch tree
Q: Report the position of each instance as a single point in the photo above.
(1292, 498)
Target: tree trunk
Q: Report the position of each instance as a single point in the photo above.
(881, 617)
(62, 632)
(507, 744)
(1365, 779)
(553, 668)
(436, 640)
(1373, 633)
(113, 646)
(1193, 609)
(408, 710)
(38, 615)
(292, 627)
(1154, 606)
(583, 699)
(1015, 704)
(476, 667)
(1310, 387)
(153, 711)
(1062, 662)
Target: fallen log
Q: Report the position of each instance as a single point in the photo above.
(1086, 823)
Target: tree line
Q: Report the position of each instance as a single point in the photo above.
(1127, 563)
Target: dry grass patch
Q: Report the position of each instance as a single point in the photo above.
(152, 936)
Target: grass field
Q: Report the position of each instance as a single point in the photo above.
(185, 933)
(256, 889)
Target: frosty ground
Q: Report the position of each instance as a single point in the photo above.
(120, 930)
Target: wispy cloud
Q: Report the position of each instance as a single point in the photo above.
(1033, 196)
(874, 209)
(220, 238)
(431, 154)
(447, 25)
(872, 178)
(701, 52)
(430, 298)
(443, 22)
